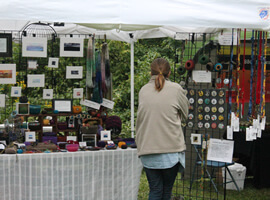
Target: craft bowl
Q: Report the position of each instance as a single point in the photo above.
(72, 147)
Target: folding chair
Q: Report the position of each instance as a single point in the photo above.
(212, 165)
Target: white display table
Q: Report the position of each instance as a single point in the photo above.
(89, 175)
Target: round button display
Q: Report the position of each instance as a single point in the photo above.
(214, 117)
(191, 108)
(213, 125)
(191, 100)
(214, 93)
(214, 101)
(221, 93)
(200, 92)
(200, 109)
(226, 81)
(207, 117)
(207, 101)
(214, 109)
(190, 116)
(200, 101)
(218, 80)
(221, 126)
(207, 109)
(207, 93)
(207, 125)
(220, 117)
(191, 92)
(200, 117)
(200, 125)
(190, 124)
(221, 109)
(221, 102)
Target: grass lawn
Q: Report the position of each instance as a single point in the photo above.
(182, 188)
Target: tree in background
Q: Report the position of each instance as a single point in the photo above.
(145, 52)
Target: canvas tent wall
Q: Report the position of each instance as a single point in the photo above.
(144, 19)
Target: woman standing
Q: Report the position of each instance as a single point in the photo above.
(159, 137)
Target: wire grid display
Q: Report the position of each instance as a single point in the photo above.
(208, 123)
(55, 78)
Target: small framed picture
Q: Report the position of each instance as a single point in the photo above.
(7, 73)
(77, 93)
(62, 105)
(53, 62)
(16, 91)
(47, 93)
(196, 139)
(35, 80)
(5, 45)
(74, 72)
(71, 47)
(22, 108)
(2, 100)
(91, 139)
(73, 138)
(30, 136)
(32, 64)
(34, 47)
(105, 135)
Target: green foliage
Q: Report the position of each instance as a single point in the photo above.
(145, 51)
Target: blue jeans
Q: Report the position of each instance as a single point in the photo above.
(161, 182)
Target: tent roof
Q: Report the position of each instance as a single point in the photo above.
(145, 19)
(136, 14)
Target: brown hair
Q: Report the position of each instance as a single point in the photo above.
(161, 68)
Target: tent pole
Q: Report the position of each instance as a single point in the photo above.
(132, 86)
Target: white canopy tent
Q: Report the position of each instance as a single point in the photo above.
(134, 15)
(144, 19)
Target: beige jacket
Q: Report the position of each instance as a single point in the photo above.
(158, 125)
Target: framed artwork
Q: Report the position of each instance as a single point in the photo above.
(35, 80)
(62, 105)
(78, 93)
(105, 135)
(47, 93)
(7, 73)
(22, 108)
(5, 45)
(74, 72)
(34, 47)
(53, 62)
(30, 136)
(16, 91)
(71, 47)
(72, 138)
(2, 100)
(91, 139)
(196, 139)
(32, 64)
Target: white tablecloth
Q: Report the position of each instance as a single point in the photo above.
(90, 175)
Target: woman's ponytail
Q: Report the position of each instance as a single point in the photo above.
(161, 68)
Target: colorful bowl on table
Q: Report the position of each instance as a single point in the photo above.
(72, 147)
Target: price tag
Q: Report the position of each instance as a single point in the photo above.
(107, 103)
(236, 124)
(248, 136)
(255, 123)
(82, 144)
(263, 123)
(253, 133)
(90, 104)
(229, 133)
